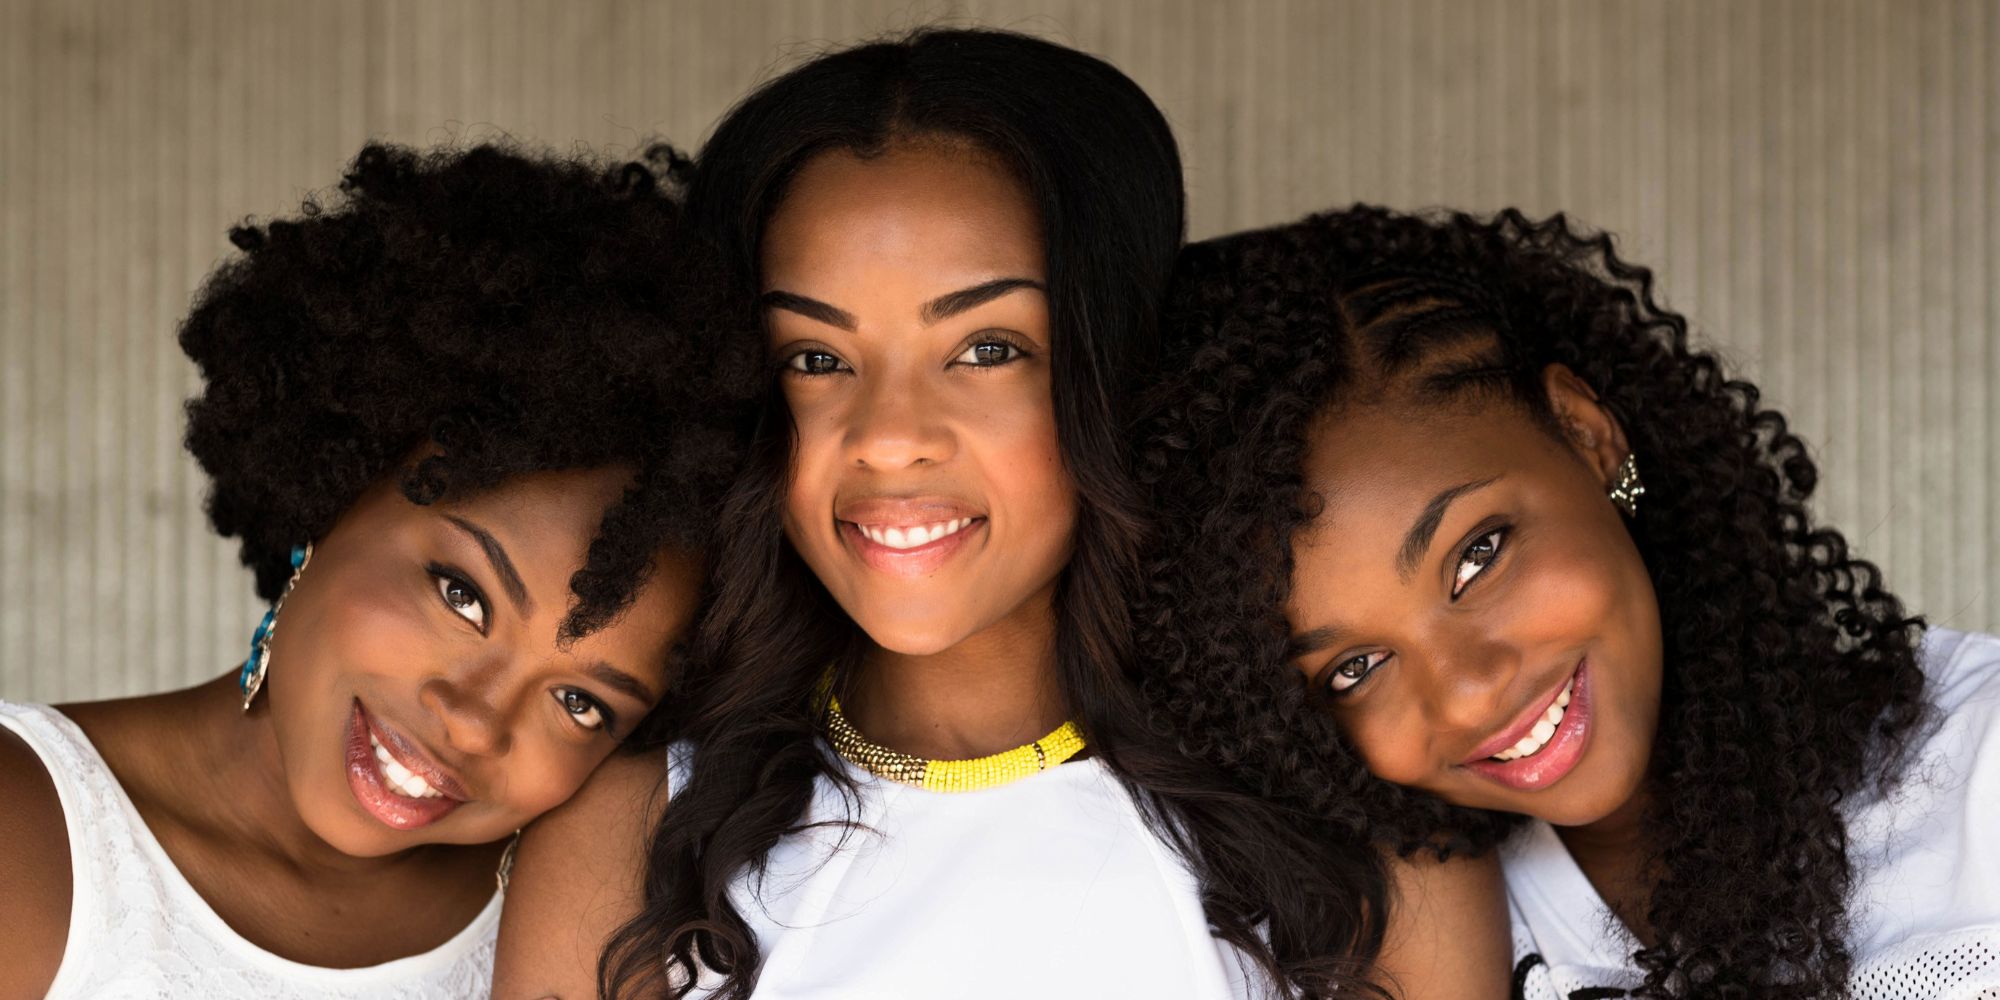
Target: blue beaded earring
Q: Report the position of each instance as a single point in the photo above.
(251, 680)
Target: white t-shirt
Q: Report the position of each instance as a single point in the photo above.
(1925, 911)
(138, 929)
(1050, 885)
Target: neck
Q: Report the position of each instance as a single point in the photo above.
(993, 691)
(1613, 854)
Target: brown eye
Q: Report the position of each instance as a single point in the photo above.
(1354, 670)
(582, 708)
(462, 598)
(988, 354)
(1476, 557)
(814, 362)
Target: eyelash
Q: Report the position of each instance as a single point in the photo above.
(446, 579)
(606, 719)
(1015, 352)
(1335, 676)
(1495, 540)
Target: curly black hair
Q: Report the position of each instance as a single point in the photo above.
(1779, 645)
(492, 311)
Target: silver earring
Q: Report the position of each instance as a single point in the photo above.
(251, 679)
(1626, 492)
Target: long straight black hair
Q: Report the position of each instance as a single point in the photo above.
(1100, 163)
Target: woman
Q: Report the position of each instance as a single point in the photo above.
(957, 241)
(1456, 503)
(432, 416)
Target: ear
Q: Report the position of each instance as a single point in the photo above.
(1587, 426)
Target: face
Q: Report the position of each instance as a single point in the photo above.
(416, 686)
(904, 298)
(1472, 609)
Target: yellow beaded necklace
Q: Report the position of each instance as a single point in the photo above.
(950, 775)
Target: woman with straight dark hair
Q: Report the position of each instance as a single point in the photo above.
(956, 243)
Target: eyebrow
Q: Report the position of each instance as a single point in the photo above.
(1310, 642)
(952, 303)
(810, 309)
(620, 681)
(936, 310)
(1419, 538)
(496, 554)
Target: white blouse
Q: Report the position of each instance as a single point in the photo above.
(1925, 910)
(1052, 884)
(137, 929)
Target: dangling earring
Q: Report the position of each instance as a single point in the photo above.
(1626, 492)
(251, 680)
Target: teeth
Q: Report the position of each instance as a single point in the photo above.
(400, 779)
(1544, 728)
(915, 535)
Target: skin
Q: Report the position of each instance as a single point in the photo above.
(904, 296)
(1441, 676)
(942, 413)
(256, 808)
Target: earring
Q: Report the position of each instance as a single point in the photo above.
(251, 680)
(1626, 492)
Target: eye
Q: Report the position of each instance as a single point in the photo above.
(989, 354)
(1353, 670)
(581, 707)
(461, 597)
(1476, 557)
(813, 361)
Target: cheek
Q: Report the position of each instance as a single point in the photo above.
(1393, 751)
(546, 778)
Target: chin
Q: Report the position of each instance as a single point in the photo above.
(917, 637)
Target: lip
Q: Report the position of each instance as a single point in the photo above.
(905, 512)
(364, 778)
(1557, 757)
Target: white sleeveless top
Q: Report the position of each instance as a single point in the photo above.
(1052, 884)
(1924, 914)
(138, 929)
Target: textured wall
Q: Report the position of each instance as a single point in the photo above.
(1817, 182)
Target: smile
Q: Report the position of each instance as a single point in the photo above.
(1538, 750)
(915, 535)
(392, 780)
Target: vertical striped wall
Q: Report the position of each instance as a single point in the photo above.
(1817, 181)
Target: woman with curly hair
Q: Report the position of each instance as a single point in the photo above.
(434, 417)
(1489, 554)
(913, 765)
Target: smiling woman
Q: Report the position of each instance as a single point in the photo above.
(467, 422)
(1462, 518)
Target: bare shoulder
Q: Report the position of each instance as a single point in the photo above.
(576, 879)
(1448, 934)
(34, 872)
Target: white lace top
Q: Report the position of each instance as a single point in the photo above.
(138, 929)
(1924, 913)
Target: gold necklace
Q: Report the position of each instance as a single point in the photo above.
(950, 775)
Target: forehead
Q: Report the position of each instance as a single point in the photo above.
(922, 220)
(1375, 467)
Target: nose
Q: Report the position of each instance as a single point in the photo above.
(473, 724)
(894, 424)
(1471, 677)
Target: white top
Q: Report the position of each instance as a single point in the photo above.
(1925, 911)
(1050, 885)
(138, 929)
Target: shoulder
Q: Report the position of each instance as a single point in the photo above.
(577, 878)
(1961, 669)
(34, 870)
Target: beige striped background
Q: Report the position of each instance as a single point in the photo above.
(1818, 182)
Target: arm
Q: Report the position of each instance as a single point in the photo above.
(1448, 933)
(576, 879)
(34, 872)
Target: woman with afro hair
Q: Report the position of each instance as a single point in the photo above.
(465, 421)
(1462, 545)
